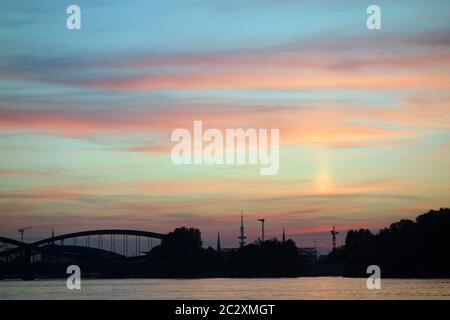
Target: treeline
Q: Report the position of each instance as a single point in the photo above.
(183, 255)
(407, 248)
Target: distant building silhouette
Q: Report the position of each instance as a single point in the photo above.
(307, 255)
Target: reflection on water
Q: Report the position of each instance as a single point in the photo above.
(268, 288)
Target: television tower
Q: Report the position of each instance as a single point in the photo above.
(242, 237)
(334, 233)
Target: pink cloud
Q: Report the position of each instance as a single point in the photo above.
(321, 123)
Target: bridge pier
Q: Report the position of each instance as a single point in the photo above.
(27, 272)
(126, 245)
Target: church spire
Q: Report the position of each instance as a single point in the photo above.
(284, 236)
(219, 247)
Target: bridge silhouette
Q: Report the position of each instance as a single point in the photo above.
(103, 244)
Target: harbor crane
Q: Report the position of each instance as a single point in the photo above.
(334, 233)
(22, 230)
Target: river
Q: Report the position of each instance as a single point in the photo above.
(219, 288)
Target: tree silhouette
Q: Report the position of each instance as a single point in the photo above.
(271, 256)
(182, 250)
(406, 248)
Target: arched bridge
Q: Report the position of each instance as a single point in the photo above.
(104, 243)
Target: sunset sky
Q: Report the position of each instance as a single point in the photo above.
(86, 115)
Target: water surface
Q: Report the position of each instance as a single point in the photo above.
(219, 288)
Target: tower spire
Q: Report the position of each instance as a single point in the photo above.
(284, 236)
(219, 247)
(242, 237)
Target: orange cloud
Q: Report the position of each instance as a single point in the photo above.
(277, 80)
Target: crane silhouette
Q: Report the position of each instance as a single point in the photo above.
(22, 230)
(334, 233)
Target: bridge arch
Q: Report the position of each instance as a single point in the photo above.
(39, 246)
(12, 241)
(140, 233)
